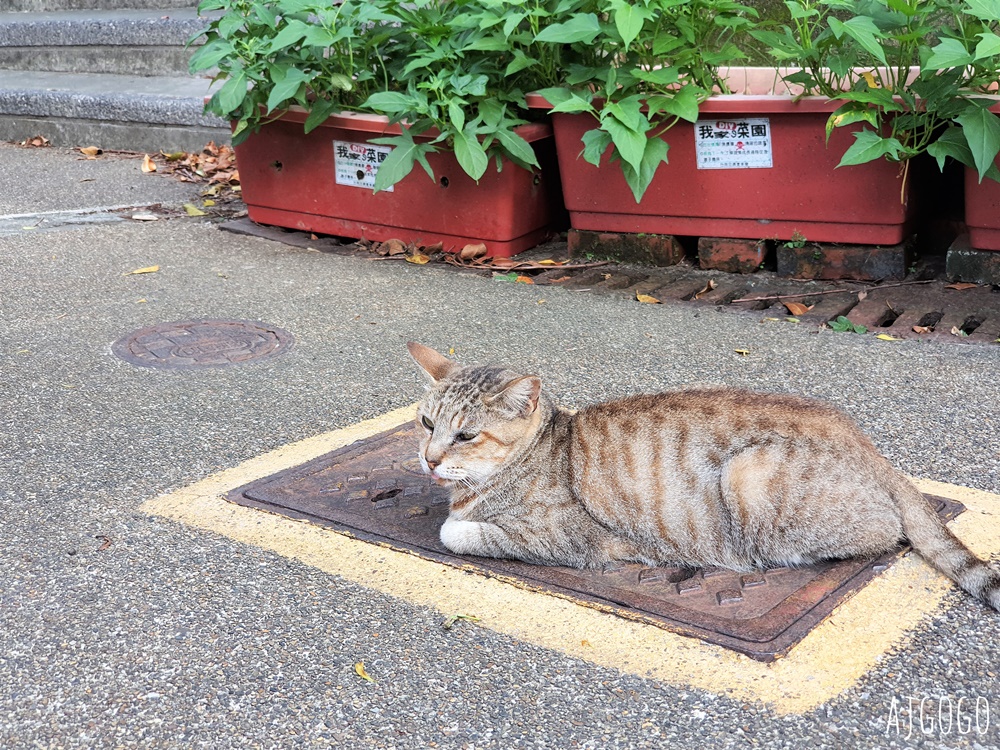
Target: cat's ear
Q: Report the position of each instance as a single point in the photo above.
(434, 365)
(519, 396)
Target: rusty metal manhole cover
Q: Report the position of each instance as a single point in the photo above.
(202, 343)
(375, 489)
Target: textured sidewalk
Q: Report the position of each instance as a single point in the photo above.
(123, 627)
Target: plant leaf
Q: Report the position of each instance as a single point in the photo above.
(630, 144)
(399, 162)
(470, 154)
(989, 46)
(582, 27)
(683, 104)
(868, 146)
(629, 20)
(653, 155)
(948, 53)
(982, 133)
(863, 30)
(595, 143)
(519, 149)
(285, 88)
(390, 102)
(230, 97)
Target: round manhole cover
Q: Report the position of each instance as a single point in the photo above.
(202, 343)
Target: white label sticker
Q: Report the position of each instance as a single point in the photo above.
(733, 144)
(356, 164)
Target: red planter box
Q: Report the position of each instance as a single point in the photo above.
(801, 193)
(982, 208)
(290, 179)
(982, 211)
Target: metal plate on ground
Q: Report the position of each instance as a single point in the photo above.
(375, 490)
(202, 343)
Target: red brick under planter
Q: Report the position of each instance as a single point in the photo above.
(862, 262)
(646, 249)
(731, 255)
(288, 180)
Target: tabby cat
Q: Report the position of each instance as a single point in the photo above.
(708, 476)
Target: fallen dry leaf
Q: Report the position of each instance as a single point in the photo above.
(147, 164)
(437, 247)
(392, 247)
(742, 352)
(923, 329)
(359, 669)
(193, 210)
(39, 141)
(647, 299)
(524, 280)
(708, 287)
(887, 337)
(90, 151)
(797, 308)
(962, 285)
(418, 258)
(551, 262)
(145, 217)
(956, 331)
(504, 262)
(862, 295)
(471, 252)
(560, 279)
(147, 269)
(105, 544)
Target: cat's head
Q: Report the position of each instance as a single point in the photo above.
(472, 419)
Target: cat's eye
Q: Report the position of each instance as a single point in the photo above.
(427, 423)
(464, 437)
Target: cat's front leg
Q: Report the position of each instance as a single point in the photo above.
(477, 538)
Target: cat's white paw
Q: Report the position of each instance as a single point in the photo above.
(462, 537)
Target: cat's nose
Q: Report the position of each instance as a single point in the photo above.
(432, 464)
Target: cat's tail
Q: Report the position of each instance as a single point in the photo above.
(934, 541)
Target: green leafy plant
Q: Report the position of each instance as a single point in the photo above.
(842, 324)
(639, 68)
(317, 54)
(916, 74)
(798, 241)
(451, 73)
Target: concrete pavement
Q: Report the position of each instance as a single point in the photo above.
(190, 631)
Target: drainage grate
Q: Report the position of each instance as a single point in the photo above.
(375, 489)
(202, 343)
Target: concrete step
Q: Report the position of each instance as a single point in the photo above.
(35, 6)
(132, 113)
(125, 42)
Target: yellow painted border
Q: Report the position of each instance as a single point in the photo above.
(831, 658)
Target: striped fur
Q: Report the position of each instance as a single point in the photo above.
(698, 477)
